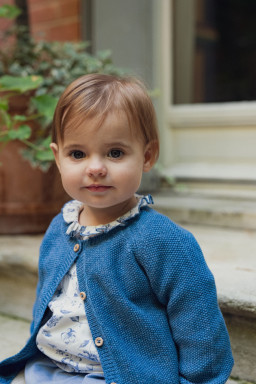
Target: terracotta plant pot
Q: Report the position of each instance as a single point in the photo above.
(29, 198)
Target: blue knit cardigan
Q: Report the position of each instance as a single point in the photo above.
(150, 297)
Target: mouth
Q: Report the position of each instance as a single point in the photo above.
(98, 188)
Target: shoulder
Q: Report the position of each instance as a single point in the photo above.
(169, 254)
(55, 226)
(153, 224)
(55, 232)
(155, 235)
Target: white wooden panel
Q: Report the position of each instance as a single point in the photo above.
(235, 144)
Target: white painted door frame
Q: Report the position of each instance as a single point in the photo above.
(216, 140)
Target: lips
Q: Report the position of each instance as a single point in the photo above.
(98, 188)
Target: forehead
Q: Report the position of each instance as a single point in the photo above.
(114, 126)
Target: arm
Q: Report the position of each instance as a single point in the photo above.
(183, 283)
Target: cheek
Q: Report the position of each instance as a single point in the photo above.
(71, 184)
(69, 175)
(130, 177)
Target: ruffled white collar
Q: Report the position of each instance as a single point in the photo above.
(72, 209)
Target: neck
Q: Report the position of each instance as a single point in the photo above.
(91, 216)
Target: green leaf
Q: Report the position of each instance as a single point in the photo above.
(3, 104)
(45, 155)
(31, 154)
(20, 118)
(20, 84)
(23, 132)
(45, 105)
(104, 55)
(9, 11)
(5, 118)
(46, 142)
(4, 139)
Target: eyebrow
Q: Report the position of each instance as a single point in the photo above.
(118, 144)
(72, 145)
(110, 144)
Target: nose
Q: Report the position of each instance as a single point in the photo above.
(96, 168)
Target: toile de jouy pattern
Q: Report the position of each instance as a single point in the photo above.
(66, 337)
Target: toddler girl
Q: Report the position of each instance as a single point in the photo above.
(124, 294)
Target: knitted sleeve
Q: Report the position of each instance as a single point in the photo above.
(181, 280)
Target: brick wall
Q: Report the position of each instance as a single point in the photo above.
(52, 19)
(5, 23)
(55, 19)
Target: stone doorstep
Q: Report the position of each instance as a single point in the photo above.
(230, 254)
(14, 333)
(221, 211)
(237, 381)
(18, 276)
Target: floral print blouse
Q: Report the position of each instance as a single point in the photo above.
(66, 337)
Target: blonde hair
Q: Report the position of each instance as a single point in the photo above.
(96, 95)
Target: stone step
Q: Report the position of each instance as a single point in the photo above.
(236, 211)
(18, 274)
(14, 333)
(230, 254)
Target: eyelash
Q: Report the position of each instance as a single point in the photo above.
(82, 155)
(72, 154)
(121, 153)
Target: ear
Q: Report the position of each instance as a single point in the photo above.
(149, 156)
(55, 149)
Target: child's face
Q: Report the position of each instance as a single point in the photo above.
(102, 167)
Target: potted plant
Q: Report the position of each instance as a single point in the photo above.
(32, 77)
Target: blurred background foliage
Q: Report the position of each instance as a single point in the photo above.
(38, 71)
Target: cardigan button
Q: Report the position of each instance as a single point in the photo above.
(76, 247)
(83, 295)
(98, 341)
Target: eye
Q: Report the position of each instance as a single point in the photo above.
(77, 155)
(115, 153)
